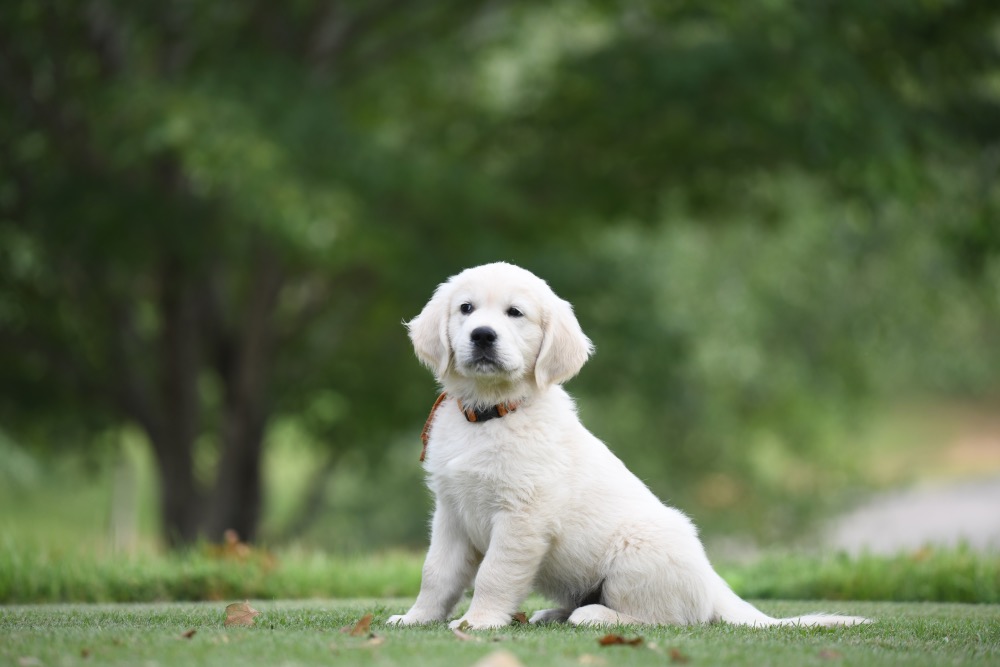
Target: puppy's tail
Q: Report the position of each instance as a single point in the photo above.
(730, 608)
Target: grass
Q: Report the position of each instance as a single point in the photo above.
(50, 575)
(307, 632)
(31, 574)
(928, 574)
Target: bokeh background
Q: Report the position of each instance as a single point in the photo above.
(778, 220)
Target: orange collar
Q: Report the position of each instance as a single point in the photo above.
(471, 415)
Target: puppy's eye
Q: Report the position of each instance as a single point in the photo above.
(466, 308)
(514, 312)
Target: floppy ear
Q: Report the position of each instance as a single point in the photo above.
(565, 348)
(429, 332)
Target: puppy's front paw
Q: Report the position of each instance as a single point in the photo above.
(550, 616)
(479, 622)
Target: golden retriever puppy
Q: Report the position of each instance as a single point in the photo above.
(526, 498)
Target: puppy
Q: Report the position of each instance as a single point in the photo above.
(525, 497)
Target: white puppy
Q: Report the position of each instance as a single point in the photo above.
(525, 497)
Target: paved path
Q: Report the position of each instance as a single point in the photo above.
(938, 514)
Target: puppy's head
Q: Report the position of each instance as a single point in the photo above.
(497, 332)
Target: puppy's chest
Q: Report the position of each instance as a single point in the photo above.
(476, 482)
(476, 497)
(482, 484)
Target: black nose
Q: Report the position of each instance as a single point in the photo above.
(483, 337)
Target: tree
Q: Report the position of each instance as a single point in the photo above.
(188, 238)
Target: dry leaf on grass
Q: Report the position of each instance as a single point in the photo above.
(362, 628)
(678, 657)
(189, 634)
(464, 636)
(618, 640)
(240, 613)
(520, 617)
(499, 659)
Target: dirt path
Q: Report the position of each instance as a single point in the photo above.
(936, 514)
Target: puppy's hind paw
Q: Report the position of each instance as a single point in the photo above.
(598, 614)
(550, 616)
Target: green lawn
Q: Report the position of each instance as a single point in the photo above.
(308, 633)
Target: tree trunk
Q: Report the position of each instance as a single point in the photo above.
(179, 497)
(180, 362)
(170, 410)
(238, 494)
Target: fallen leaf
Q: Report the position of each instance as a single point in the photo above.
(830, 654)
(85, 653)
(520, 617)
(678, 657)
(240, 613)
(360, 629)
(616, 640)
(189, 634)
(464, 636)
(499, 659)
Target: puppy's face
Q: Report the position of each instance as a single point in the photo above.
(494, 330)
(501, 328)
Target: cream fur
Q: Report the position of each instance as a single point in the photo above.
(533, 501)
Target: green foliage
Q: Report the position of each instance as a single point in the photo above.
(690, 101)
(739, 370)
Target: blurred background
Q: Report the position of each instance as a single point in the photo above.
(778, 220)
